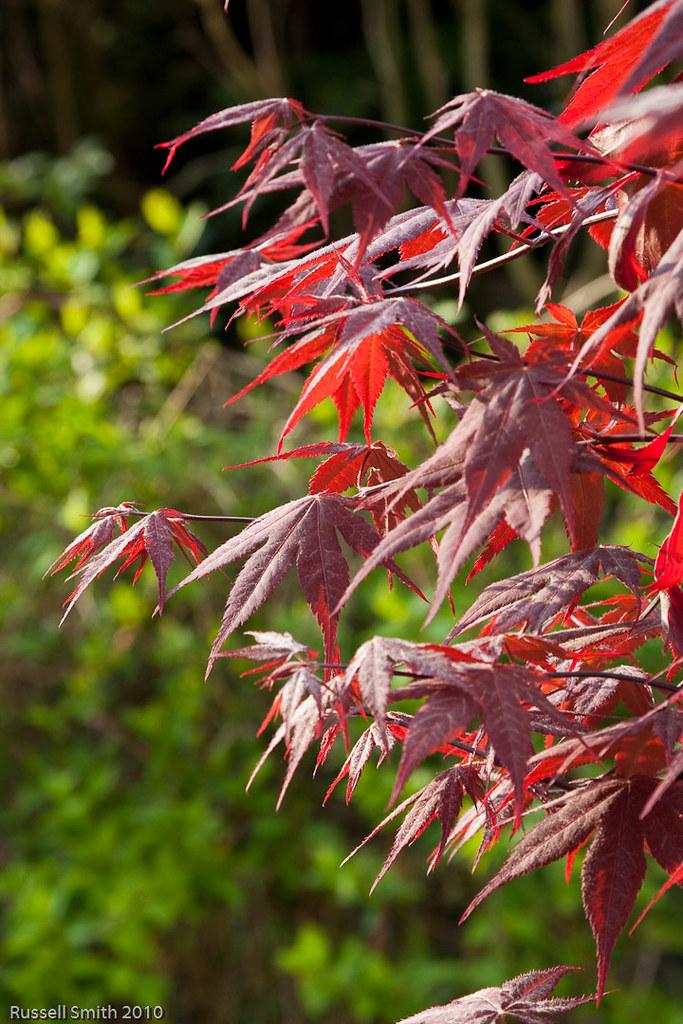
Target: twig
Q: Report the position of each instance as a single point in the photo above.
(198, 518)
(620, 676)
(507, 257)
(621, 438)
(652, 388)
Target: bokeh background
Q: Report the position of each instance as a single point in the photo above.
(133, 866)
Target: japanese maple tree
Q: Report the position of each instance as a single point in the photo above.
(533, 712)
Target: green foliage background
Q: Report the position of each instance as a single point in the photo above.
(133, 866)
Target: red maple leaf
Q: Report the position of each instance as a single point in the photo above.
(152, 537)
(304, 533)
(526, 131)
(612, 812)
(622, 63)
(361, 347)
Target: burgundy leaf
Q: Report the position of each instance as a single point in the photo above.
(152, 536)
(304, 533)
(262, 113)
(526, 131)
(440, 800)
(523, 998)
(534, 598)
(560, 832)
(613, 873)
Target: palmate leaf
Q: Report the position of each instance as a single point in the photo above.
(533, 599)
(592, 698)
(526, 131)
(657, 298)
(500, 694)
(526, 998)
(459, 688)
(373, 739)
(622, 63)
(352, 466)
(361, 347)
(152, 537)
(318, 160)
(99, 534)
(269, 119)
(614, 867)
(305, 533)
(516, 415)
(565, 335)
(440, 800)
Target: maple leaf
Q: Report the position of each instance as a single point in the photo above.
(614, 867)
(458, 687)
(390, 167)
(225, 269)
(300, 731)
(621, 64)
(657, 297)
(330, 171)
(268, 117)
(563, 334)
(352, 465)
(516, 414)
(96, 536)
(594, 697)
(523, 499)
(629, 467)
(371, 342)
(441, 799)
(526, 998)
(303, 532)
(500, 693)
(375, 737)
(533, 599)
(526, 131)
(669, 561)
(153, 536)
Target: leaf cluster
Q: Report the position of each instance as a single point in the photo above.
(544, 709)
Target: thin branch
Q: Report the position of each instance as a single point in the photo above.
(621, 438)
(507, 257)
(652, 388)
(199, 518)
(620, 676)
